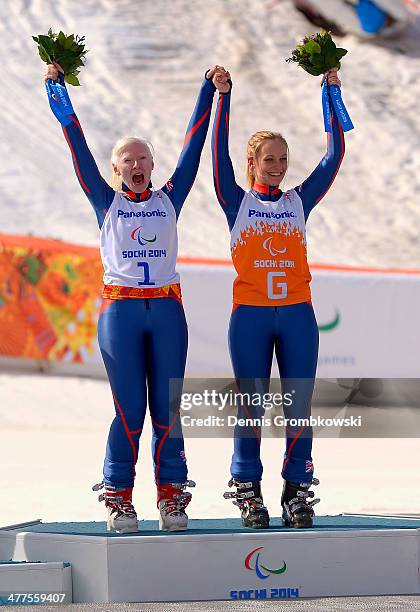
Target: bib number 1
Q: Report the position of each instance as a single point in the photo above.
(277, 290)
(146, 272)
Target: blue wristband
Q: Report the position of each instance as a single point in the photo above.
(332, 93)
(340, 109)
(59, 100)
(326, 110)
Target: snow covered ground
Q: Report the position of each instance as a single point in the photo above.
(142, 76)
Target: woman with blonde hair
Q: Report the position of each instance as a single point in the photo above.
(272, 310)
(142, 329)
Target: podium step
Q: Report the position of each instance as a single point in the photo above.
(342, 555)
(26, 583)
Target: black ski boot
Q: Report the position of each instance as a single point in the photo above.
(249, 499)
(297, 510)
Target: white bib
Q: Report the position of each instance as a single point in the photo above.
(139, 242)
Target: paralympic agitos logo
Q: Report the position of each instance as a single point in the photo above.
(136, 235)
(330, 325)
(253, 563)
(267, 244)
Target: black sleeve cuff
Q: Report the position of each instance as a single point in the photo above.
(229, 81)
(227, 93)
(209, 80)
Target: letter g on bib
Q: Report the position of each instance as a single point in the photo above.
(277, 290)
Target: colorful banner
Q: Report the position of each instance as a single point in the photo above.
(49, 299)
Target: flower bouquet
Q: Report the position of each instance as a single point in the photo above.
(68, 51)
(317, 54)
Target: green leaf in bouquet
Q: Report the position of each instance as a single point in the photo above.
(68, 44)
(328, 48)
(323, 37)
(73, 65)
(314, 71)
(311, 47)
(72, 79)
(331, 60)
(61, 38)
(44, 40)
(66, 55)
(317, 60)
(340, 52)
(44, 55)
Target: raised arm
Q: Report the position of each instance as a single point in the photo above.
(315, 187)
(97, 190)
(228, 193)
(180, 183)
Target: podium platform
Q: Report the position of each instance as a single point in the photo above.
(341, 555)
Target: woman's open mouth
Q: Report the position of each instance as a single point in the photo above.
(138, 178)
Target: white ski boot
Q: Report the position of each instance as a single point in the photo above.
(172, 499)
(122, 517)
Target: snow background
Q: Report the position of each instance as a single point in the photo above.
(142, 76)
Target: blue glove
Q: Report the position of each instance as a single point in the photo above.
(59, 100)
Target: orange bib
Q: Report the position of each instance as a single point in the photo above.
(268, 244)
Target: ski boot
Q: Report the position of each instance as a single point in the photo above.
(249, 500)
(297, 510)
(122, 517)
(172, 499)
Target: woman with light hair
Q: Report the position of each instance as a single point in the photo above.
(142, 329)
(272, 310)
